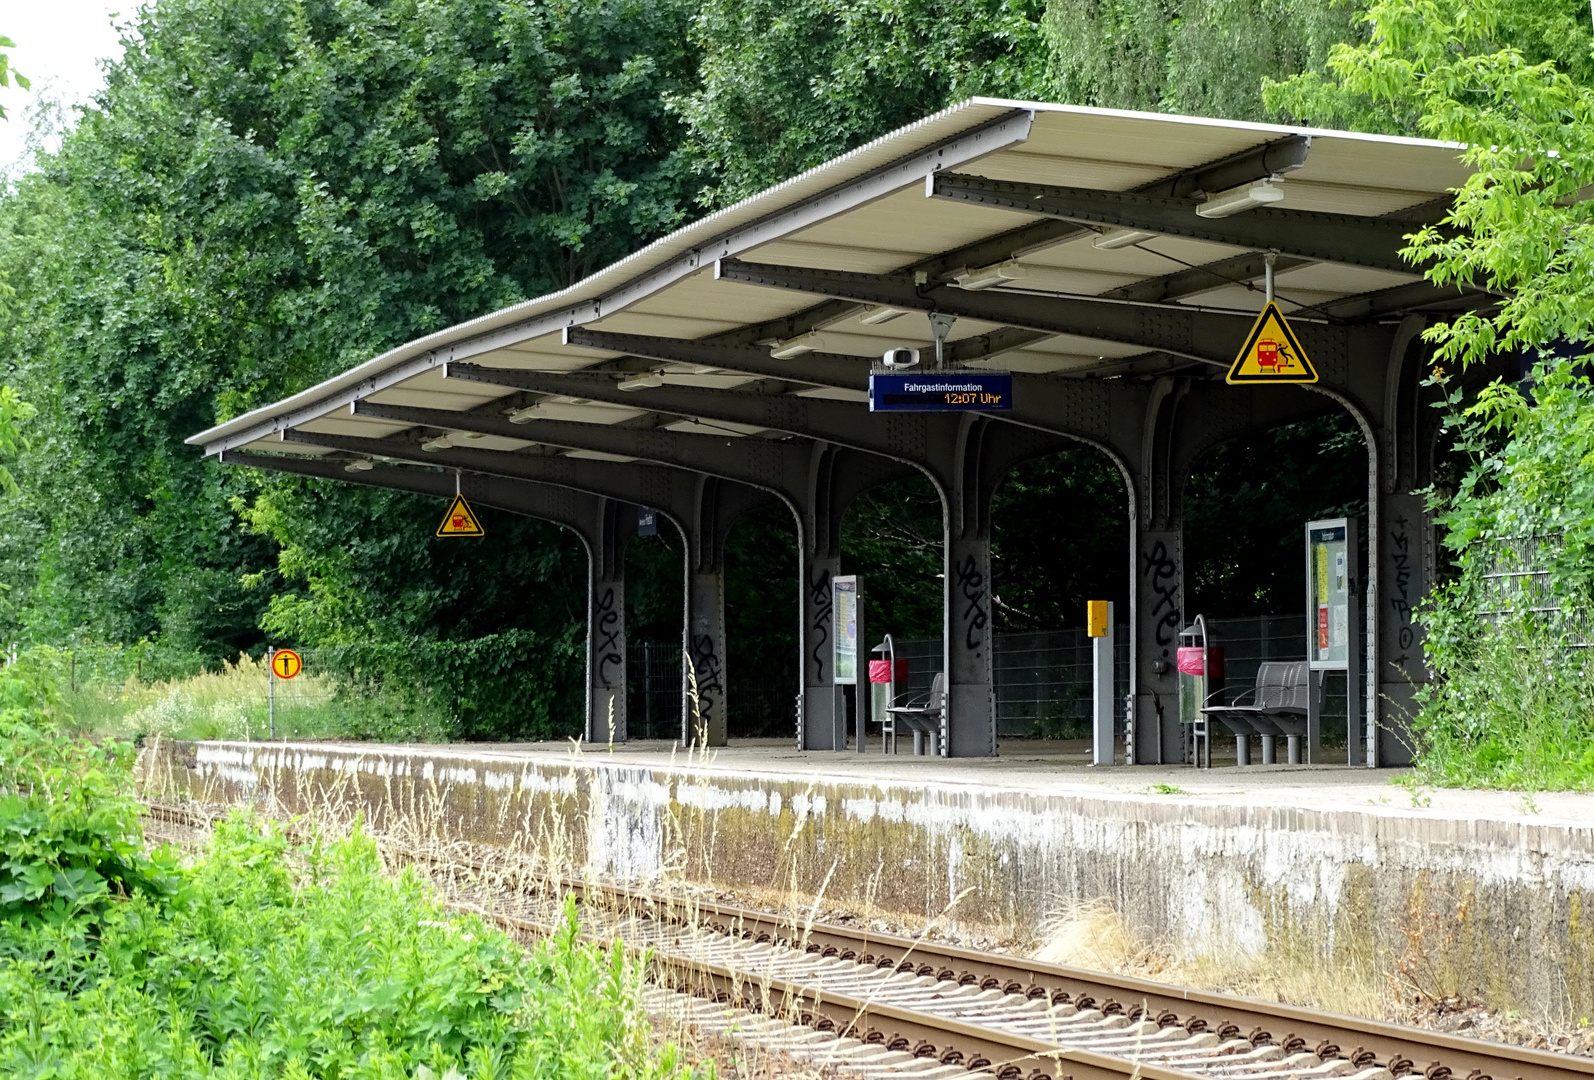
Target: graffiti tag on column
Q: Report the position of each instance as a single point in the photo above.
(819, 596)
(706, 662)
(971, 582)
(1164, 573)
(1400, 557)
(608, 633)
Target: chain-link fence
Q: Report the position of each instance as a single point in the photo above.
(1043, 680)
(1516, 580)
(759, 705)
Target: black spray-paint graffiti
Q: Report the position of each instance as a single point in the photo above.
(823, 602)
(1400, 557)
(608, 631)
(706, 663)
(1164, 574)
(971, 583)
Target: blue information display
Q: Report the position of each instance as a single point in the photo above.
(952, 391)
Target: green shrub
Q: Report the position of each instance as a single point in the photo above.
(273, 962)
(1512, 703)
(70, 837)
(262, 960)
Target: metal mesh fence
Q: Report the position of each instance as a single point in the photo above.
(1043, 680)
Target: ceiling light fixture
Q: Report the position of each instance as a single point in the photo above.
(1240, 199)
(1113, 239)
(986, 276)
(526, 415)
(881, 314)
(648, 380)
(791, 347)
(440, 443)
(359, 465)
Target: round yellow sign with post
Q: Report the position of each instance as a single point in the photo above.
(285, 664)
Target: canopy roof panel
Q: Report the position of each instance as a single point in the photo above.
(1007, 206)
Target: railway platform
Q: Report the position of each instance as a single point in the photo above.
(1488, 892)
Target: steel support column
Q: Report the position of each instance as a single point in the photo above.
(604, 526)
(678, 495)
(606, 658)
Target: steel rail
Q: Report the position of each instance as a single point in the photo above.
(956, 1042)
(1426, 1051)
(1405, 1051)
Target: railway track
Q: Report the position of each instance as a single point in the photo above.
(876, 1004)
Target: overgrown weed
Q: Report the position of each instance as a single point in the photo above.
(232, 703)
(1515, 711)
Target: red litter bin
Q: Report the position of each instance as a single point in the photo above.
(1196, 685)
(880, 671)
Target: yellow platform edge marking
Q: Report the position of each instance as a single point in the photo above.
(1272, 354)
(460, 520)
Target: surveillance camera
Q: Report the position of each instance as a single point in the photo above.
(895, 358)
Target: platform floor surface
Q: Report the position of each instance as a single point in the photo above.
(1061, 767)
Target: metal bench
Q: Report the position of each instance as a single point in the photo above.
(1280, 704)
(923, 715)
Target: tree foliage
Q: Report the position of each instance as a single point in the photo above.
(264, 195)
(785, 85)
(1489, 76)
(9, 74)
(1201, 57)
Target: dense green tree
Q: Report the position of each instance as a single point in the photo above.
(265, 194)
(786, 85)
(1200, 57)
(1509, 81)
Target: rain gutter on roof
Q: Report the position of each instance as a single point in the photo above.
(960, 149)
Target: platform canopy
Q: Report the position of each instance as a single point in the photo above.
(1080, 243)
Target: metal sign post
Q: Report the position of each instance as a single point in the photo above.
(271, 693)
(1331, 624)
(847, 631)
(1098, 627)
(280, 664)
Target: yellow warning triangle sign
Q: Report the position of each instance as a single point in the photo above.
(460, 520)
(1271, 353)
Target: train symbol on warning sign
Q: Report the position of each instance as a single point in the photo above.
(1272, 356)
(1271, 353)
(460, 520)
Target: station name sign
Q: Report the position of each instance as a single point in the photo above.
(961, 391)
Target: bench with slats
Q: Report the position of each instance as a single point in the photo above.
(1276, 705)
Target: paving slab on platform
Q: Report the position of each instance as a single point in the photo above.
(1062, 767)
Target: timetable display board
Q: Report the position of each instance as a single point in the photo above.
(961, 391)
(845, 616)
(1330, 581)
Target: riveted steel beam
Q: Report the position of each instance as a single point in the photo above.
(778, 466)
(670, 491)
(1209, 337)
(1240, 270)
(921, 439)
(1255, 163)
(1309, 234)
(819, 369)
(525, 497)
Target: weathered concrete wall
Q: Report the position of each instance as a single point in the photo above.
(1503, 911)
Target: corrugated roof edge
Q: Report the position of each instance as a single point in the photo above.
(773, 200)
